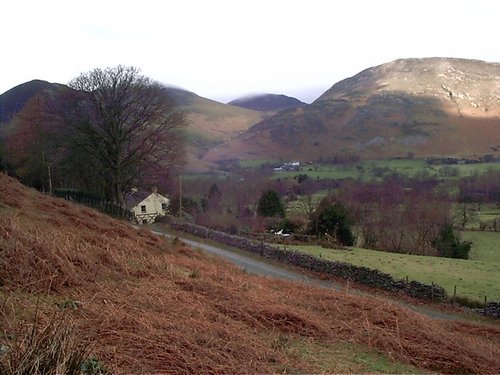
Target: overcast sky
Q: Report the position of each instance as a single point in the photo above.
(226, 49)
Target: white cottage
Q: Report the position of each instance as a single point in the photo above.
(147, 206)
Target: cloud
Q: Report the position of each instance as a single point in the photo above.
(220, 47)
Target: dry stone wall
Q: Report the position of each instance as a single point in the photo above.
(492, 309)
(363, 275)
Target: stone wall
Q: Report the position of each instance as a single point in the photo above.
(363, 275)
(492, 309)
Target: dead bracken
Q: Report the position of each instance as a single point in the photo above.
(146, 305)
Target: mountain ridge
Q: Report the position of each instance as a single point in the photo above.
(418, 106)
(422, 107)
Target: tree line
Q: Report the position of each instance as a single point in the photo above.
(412, 215)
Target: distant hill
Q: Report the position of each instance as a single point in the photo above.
(210, 123)
(267, 102)
(13, 100)
(422, 107)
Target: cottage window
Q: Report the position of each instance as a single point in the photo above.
(143, 208)
(164, 206)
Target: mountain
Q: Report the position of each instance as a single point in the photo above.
(422, 107)
(13, 100)
(267, 102)
(76, 283)
(210, 123)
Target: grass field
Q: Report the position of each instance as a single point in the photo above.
(371, 169)
(474, 278)
(485, 246)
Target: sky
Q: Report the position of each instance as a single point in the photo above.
(225, 49)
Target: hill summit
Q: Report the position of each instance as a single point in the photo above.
(422, 107)
(267, 102)
(13, 100)
(467, 87)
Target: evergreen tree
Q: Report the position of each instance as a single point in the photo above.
(449, 245)
(334, 220)
(270, 204)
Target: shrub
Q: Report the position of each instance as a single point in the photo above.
(93, 366)
(449, 245)
(334, 220)
(270, 204)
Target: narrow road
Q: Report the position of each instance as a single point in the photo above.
(264, 268)
(260, 267)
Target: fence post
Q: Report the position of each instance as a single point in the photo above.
(485, 302)
(432, 292)
(454, 295)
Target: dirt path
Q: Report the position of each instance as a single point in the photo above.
(265, 268)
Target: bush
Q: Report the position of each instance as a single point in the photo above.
(449, 245)
(93, 366)
(270, 204)
(334, 220)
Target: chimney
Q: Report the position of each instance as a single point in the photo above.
(154, 190)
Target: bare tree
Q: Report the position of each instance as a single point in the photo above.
(308, 203)
(393, 218)
(125, 125)
(33, 146)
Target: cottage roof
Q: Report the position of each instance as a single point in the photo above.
(132, 199)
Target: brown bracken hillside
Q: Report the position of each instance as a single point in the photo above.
(151, 306)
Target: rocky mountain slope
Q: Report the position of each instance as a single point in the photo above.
(422, 107)
(267, 102)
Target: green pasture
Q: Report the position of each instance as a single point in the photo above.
(365, 170)
(342, 357)
(475, 278)
(470, 169)
(485, 247)
(376, 169)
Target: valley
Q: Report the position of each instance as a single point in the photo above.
(382, 197)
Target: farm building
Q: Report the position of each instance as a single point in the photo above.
(146, 206)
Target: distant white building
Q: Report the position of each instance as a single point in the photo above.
(290, 166)
(147, 206)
